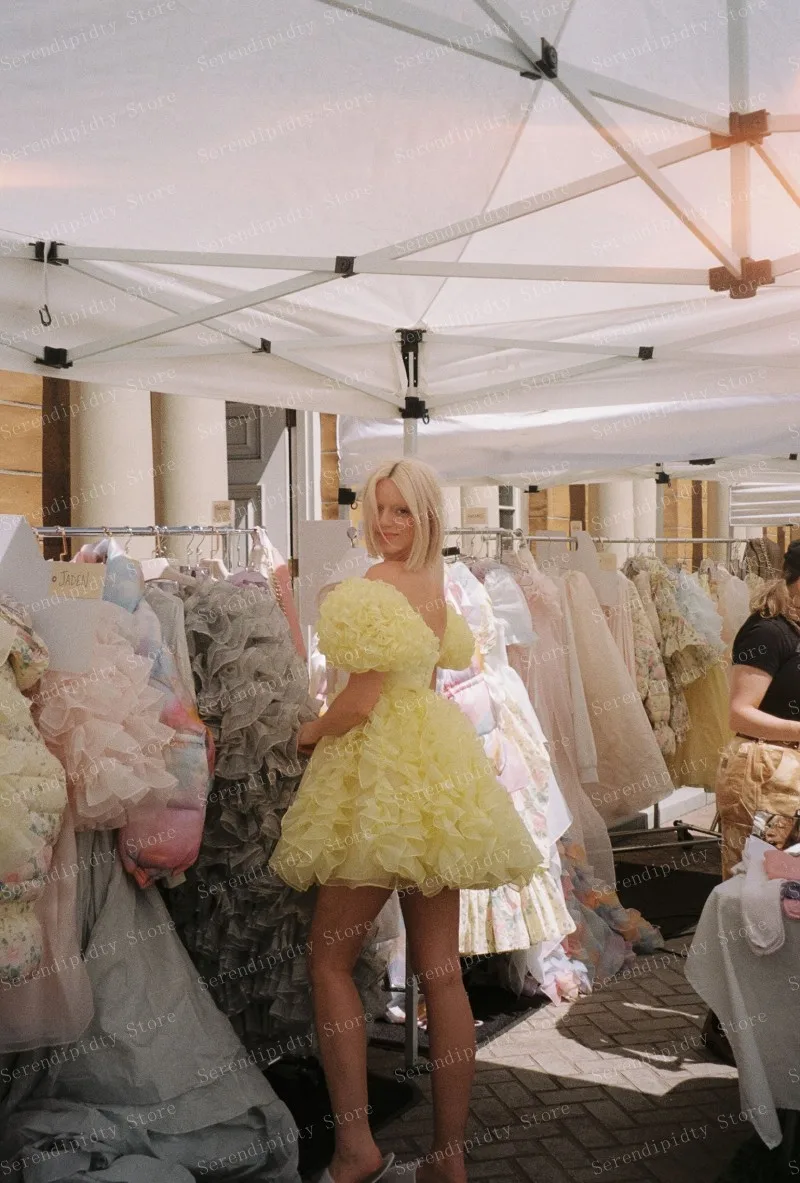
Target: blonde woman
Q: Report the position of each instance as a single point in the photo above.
(760, 769)
(398, 794)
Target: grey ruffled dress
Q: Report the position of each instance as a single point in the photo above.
(247, 931)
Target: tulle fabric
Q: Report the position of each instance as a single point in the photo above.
(408, 798)
(32, 801)
(54, 1004)
(103, 725)
(698, 608)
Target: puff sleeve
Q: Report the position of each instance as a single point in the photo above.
(458, 645)
(367, 624)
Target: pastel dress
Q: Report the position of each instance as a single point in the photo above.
(407, 798)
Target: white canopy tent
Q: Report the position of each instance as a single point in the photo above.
(254, 202)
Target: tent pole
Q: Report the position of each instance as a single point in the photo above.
(410, 341)
(740, 103)
(410, 437)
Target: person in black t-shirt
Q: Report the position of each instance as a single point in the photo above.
(760, 768)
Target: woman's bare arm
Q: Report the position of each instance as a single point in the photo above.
(350, 708)
(748, 687)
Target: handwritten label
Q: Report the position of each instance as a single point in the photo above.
(77, 581)
(607, 560)
(223, 513)
(476, 515)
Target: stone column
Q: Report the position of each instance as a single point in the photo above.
(645, 508)
(111, 460)
(718, 519)
(611, 514)
(190, 462)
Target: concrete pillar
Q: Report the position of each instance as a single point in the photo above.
(480, 506)
(190, 465)
(645, 508)
(111, 460)
(611, 514)
(718, 519)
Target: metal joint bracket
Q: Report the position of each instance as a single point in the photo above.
(58, 359)
(756, 273)
(699, 462)
(662, 478)
(52, 252)
(414, 409)
(345, 265)
(410, 341)
(532, 489)
(646, 352)
(264, 347)
(346, 496)
(547, 65)
(746, 127)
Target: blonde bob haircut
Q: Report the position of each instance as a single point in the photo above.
(420, 489)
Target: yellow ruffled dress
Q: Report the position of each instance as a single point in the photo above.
(407, 798)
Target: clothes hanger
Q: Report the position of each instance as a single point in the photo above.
(154, 568)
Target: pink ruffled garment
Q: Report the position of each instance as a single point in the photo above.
(103, 725)
(545, 671)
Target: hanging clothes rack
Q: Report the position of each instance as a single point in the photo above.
(158, 533)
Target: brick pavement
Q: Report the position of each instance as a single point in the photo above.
(565, 1095)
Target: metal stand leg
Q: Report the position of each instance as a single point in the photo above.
(412, 1000)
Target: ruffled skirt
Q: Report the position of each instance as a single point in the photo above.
(407, 799)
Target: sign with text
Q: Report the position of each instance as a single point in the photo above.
(76, 581)
(476, 515)
(223, 513)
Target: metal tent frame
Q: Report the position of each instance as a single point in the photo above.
(514, 47)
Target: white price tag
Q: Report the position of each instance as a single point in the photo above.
(76, 581)
(607, 560)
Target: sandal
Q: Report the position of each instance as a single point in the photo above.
(381, 1173)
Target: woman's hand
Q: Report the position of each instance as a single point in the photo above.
(307, 738)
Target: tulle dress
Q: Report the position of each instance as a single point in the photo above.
(407, 798)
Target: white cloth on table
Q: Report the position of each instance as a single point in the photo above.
(761, 900)
(756, 1001)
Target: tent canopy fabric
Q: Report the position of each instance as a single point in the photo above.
(251, 200)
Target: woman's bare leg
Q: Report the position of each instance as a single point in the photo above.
(343, 919)
(432, 926)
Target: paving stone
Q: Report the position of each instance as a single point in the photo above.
(490, 1075)
(622, 1174)
(543, 1170)
(599, 1058)
(589, 1133)
(493, 1152)
(578, 1094)
(513, 1094)
(539, 1081)
(491, 1112)
(507, 1171)
(566, 1152)
(610, 1024)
